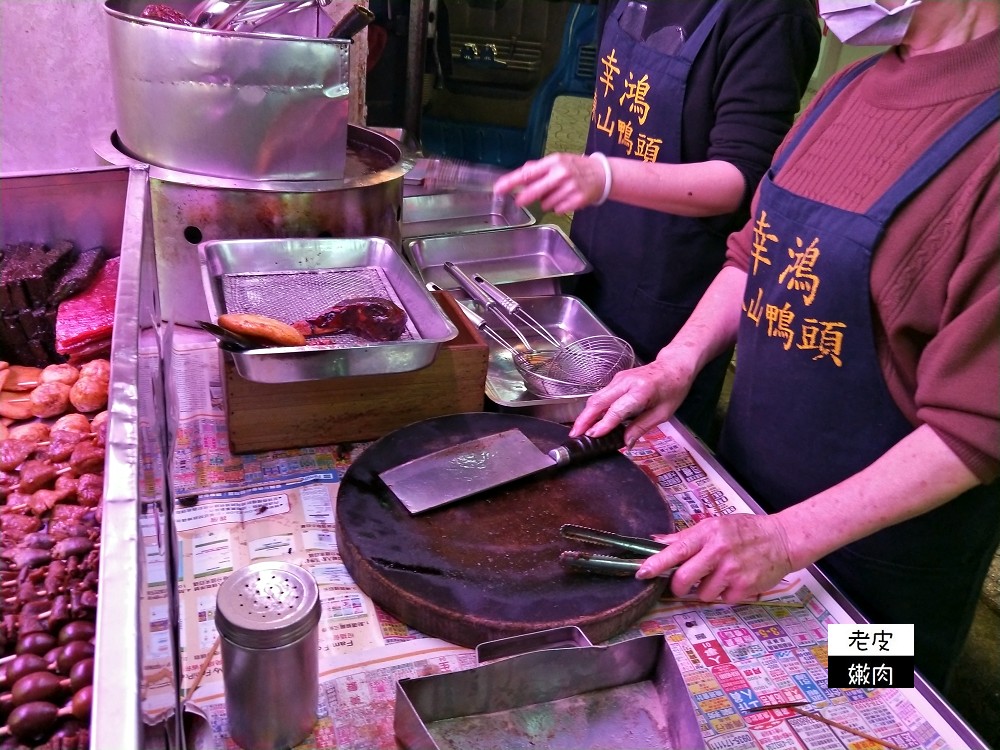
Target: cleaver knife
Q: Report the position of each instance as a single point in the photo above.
(490, 461)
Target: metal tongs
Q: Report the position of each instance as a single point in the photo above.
(238, 15)
(637, 549)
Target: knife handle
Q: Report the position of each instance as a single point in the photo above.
(581, 448)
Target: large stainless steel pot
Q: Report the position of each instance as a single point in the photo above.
(228, 104)
(192, 208)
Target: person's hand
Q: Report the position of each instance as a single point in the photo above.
(731, 558)
(644, 396)
(559, 182)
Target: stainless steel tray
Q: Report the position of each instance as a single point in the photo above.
(290, 279)
(455, 212)
(525, 261)
(560, 695)
(564, 316)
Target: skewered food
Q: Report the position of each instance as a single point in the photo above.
(62, 443)
(15, 406)
(50, 495)
(50, 399)
(35, 432)
(77, 630)
(72, 422)
(22, 378)
(33, 721)
(96, 368)
(372, 318)
(13, 452)
(62, 373)
(51, 486)
(262, 328)
(89, 393)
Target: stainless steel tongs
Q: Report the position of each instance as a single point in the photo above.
(636, 550)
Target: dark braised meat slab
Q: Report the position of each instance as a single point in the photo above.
(372, 318)
(34, 279)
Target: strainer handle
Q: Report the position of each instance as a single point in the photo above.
(468, 285)
(512, 307)
(477, 320)
(483, 299)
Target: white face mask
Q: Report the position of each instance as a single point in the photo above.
(865, 22)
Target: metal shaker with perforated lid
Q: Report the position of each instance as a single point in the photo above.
(267, 615)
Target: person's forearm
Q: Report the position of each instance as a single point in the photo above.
(710, 188)
(916, 475)
(712, 327)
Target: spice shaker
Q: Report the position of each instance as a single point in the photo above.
(267, 615)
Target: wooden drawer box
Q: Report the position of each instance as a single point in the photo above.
(275, 416)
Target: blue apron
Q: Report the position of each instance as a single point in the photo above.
(650, 267)
(810, 406)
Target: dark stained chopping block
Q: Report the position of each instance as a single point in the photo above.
(488, 567)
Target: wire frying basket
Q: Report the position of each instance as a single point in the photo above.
(578, 368)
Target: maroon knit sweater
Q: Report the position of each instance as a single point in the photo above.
(935, 278)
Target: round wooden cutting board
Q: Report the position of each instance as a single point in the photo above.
(487, 567)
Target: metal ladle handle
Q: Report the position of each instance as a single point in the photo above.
(230, 13)
(252, 20)
(356, 19)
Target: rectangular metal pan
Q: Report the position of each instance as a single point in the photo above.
(290, 279)
(456, 212)
(567, 318)
(561, 695)
(523, 260)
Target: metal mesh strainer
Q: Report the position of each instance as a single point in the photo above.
(591, 359)
(577, 368)
(574, 369)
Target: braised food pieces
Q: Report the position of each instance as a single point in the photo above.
(35, 281)
(372, 318)
(261, 328)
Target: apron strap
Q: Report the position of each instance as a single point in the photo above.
(937, 157)
(697, 39)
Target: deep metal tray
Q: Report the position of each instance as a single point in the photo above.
(565, 317)
(456, 212)
(560, 695)
(291, 279)
(109, 207)
(523, 260)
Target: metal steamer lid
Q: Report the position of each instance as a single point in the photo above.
(267, 605)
